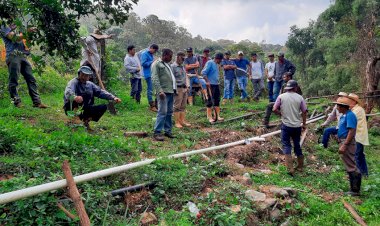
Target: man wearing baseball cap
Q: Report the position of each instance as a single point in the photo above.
(361, 136)
(281, 67)
(289, 105)
(80, 92)
(243, 71)
(229, 67)
(347, 145)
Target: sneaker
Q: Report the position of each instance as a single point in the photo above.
(158, 137)
(40, 105)
(169, 135)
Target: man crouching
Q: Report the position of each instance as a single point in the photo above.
(82, 93)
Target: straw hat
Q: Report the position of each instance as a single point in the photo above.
(98, 34)
(343, 101)
(342, 94)
(355, 98)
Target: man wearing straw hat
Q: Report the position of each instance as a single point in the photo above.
(347, 145)
(361, 136)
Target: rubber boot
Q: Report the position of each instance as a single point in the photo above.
(268, 112)
(289, 164)
(190, 100)
(300, 163)
(183, 119)
(152, 106)
(209, 115)
(177, 119)
(217, 111)
(355, 183)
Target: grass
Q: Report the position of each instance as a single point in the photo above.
(34, 143)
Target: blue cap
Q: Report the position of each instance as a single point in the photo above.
(189, 49)
(85, 70)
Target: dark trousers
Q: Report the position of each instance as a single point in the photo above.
(360, 160)
(270, 91)
(17, 65)
(268, 113)
(93, 112)
(136, 89)
(295, 134)
(326, 135)
(214, 98)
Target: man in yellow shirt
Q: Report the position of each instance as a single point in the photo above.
(361, 136)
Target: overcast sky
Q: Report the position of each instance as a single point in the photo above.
(255, 20)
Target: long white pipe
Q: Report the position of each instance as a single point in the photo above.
(39, 189)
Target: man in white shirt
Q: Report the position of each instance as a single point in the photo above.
(269, 73)
(132, 66)
(257, 74)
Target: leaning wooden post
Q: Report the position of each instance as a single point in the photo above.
(75, 195)
(354, 213)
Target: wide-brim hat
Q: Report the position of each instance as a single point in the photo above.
(355, 98)
(98, 34)
(342, 94)
(342, 101)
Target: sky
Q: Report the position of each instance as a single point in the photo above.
(237, 20)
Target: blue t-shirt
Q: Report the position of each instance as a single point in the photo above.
(347, 121)
(230, 73)
(191, 60)
(11, 46)
(211, 72)
(242, 64)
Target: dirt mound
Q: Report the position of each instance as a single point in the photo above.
(138, 201)
(244, 154)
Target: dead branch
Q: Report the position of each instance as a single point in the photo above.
(354, 213)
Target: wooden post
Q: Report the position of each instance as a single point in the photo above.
(354, 213)
(75, 195)
(102, 58)
(303, 136)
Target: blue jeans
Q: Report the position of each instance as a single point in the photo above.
(361, 163)
(326, 135)
(295, 134)
(196, 80)
(149, 89)
(270, 91)
(229, 85)
(277, 89)
(242, 84)
(164, 114)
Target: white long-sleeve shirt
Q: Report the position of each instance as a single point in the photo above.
(132, 65)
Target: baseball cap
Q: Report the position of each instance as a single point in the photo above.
(253, 54)
(189, 49)
(240, 53)
(291, 84)
(281, 54)
(206, 50)
(228, 53)
(270, 55)
(85, 70)
(218, 56)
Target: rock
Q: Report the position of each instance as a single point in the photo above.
(241, 179)
(240, 166)
(255, 196)
(286, 223)
(279, 192)
(264, 171)
(291, 191)
(267, 203)
(207, 190)
(247, 175)
(275, 214)
(235, 208)
(148, 218)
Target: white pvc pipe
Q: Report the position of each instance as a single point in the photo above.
(39, 189)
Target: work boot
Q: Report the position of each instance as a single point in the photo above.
(268, 112)
(224, 101)
(152, 106)
(355, 183)
(183, 119)
(217, 112)
(40, 105)
(289, 164)
(170, 135)
(177, 120)
(209, 115)
(300, 162)
(158, 137)
(190, 100)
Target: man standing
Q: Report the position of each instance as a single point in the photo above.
(281, 67)
(361, 136)
(203, 59)
(347, 145)
(16, 54)
(80, 92)
(229, 67)
(211, 74)
(180, 99)
(289, 105)
(132, 65)
(269, 73)
(165, 86)
(257, 74)
(242, 72)
(191, 66)
(146, 60)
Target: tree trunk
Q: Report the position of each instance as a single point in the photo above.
(372, 79)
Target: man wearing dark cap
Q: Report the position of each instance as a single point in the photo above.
(203, 59)
(289, 105)
(211, 74)
(80, 92)
(282, 66)
(242, 74)
(146, 60)
(191, 66)
(229, 67)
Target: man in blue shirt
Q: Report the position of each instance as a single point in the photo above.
(146, 60)
(16, 54)
(242, 72)
(211, 74)
(347, 144)
(229, 67)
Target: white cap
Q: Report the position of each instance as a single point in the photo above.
(240, 53)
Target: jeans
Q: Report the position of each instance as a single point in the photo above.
(16, 65)
(270, 91)
(258, 87)
(295, 134)
(229, 85)
(196, 80)
(136, 88)
(361, 163)
(149, 89)
(277, 89)
(164, 114)
(242, 84)
(326, 135)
